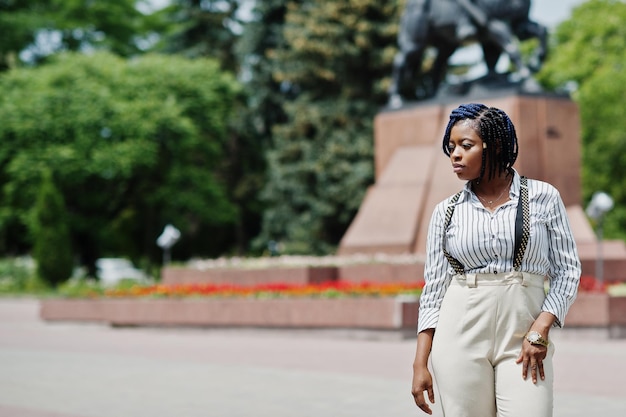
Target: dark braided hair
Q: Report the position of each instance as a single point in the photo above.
(495, 129)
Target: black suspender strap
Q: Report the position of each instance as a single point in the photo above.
(456, 265)
(522, 229)
(522, 225)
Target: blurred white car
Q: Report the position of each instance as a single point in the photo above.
(110, 271)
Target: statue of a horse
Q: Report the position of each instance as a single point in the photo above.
(447, 25)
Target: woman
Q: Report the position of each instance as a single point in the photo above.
(484, 316)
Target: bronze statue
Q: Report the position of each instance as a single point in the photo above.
(449, 24)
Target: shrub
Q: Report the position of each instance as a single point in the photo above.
(17, 276)
(52, 246)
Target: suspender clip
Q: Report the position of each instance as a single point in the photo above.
(470, 279)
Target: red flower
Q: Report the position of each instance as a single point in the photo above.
(326, 289)
(591, 284)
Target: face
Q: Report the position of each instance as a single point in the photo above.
(466, 151)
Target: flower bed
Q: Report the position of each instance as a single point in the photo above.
(327, 305)
(331, 289)
(333, 304)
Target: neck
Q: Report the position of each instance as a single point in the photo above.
(493, 192)
(492, 186)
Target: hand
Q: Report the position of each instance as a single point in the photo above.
(531, 357)
(422, 381)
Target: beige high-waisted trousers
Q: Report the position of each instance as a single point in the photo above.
(482, 323)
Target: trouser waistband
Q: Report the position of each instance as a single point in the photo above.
(504, 278)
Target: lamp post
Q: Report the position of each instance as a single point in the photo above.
(599, 205)
(166, 240)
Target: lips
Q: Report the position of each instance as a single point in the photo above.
(457, 167)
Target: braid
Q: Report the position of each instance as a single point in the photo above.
(482, 166)
(495, 129)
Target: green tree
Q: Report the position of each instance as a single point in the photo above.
(38, 28)
(331, 65)
(256, 47)
(262, 109)
(194, 29)
(52, 248)
(592, 38)
(201, 28)
(589, 56)
(134, 145)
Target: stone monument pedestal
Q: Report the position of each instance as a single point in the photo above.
(413, 174)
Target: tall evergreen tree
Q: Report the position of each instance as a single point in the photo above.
(264, 103)
(202, 28)
(263, 35)
(196, 28)
(331, 67)
(52, 249)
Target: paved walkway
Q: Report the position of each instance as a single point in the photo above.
(91, 370)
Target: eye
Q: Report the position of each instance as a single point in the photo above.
(467, 146)
(450, 147)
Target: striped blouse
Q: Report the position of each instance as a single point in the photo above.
(484, 243)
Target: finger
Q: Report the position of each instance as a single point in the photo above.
(418, 397)
(533, 371)
(431, 395)
(425, 408)
(542, 374)
(421, 402)
(524, 369)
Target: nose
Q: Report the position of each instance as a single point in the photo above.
(456, 153)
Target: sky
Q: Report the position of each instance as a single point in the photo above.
(551, 12)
